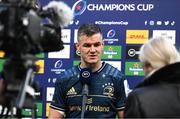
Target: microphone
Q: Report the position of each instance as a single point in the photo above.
(85, 78)
(60, 13)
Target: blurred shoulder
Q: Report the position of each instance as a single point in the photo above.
(69, 74)
(113, 71)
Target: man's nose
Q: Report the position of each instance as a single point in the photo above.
(92, 49)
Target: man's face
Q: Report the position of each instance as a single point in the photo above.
(90, 48)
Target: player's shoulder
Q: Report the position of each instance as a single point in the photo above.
(112, 71)
(70, 73)
(73, 71)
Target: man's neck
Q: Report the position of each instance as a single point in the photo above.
(93, 67)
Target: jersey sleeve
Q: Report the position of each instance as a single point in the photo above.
(58, 101)
(120, 93)
(126, 87)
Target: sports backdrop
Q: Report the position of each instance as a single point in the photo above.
(126, 25)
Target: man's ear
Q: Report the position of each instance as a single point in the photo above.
(77, 46)
(78, 49)
(103, 43)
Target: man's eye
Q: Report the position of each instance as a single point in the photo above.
(97, 44)
(87, 45)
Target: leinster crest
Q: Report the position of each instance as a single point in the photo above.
(108, 89)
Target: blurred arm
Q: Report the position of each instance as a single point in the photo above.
(120, 114)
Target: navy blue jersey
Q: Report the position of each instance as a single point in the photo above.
(106, 93)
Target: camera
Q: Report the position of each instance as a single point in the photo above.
(25, 30)
(22, 30)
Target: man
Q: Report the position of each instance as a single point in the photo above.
(106, 96)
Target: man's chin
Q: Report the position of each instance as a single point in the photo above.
(92, 61)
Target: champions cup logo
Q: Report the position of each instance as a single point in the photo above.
(58, 67)
(111, 33)
(86, 74)
(58, 64)
(79, 7)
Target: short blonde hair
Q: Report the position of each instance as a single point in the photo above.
(159, 52)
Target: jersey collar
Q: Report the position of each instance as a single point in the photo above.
(99, 70)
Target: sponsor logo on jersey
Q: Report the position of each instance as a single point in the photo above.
(71, 92)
